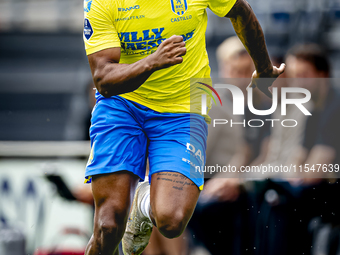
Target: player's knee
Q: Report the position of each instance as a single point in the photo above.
(171, 224)
(108, 229)
(111, 223)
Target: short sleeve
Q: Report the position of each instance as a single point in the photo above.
(221, 7)
(99, 30)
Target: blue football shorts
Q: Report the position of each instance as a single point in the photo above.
(124, 134)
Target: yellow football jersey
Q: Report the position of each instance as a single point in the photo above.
(138, 27)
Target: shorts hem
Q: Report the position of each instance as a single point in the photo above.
(199, 182)
(110, 170)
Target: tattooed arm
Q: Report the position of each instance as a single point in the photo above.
(249, 30)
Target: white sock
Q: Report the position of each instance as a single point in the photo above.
(145, 205)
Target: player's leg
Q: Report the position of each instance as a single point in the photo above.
(117, 161)
(160, 245)
(176, 153)
(111, 194)
(173, 199)
(177, 145)
(169, 205)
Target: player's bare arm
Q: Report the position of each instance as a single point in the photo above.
(249, 30)
(112, 78)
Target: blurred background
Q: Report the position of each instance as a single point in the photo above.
(46, 98)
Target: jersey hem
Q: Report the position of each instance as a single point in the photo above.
(164, 108)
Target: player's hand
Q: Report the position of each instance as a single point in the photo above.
(222, 189)
(170, 52)
(264, 81)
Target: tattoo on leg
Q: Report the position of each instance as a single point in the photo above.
(179, 181)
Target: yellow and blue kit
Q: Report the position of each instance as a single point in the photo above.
(138, 27)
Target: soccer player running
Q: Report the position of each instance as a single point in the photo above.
(142, 56)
